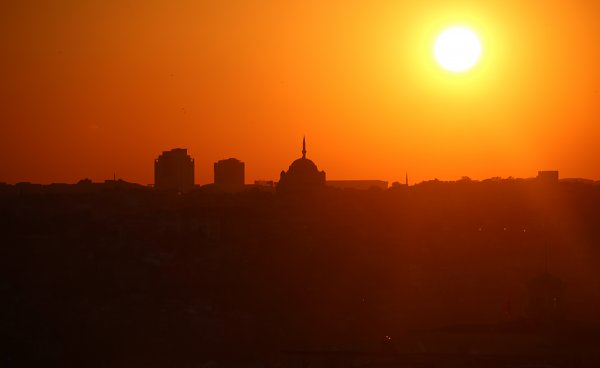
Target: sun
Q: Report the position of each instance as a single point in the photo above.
(457, 49)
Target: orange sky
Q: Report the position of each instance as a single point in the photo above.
(91, 88)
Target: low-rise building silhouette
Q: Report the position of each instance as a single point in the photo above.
(229, 172)
(547, 176)
(264, 183)
(174, 171)
(358, 184)
(302, 174)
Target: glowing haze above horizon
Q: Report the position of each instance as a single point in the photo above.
(92, 88)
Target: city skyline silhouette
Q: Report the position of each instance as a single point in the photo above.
(300, 184)
(544, 175)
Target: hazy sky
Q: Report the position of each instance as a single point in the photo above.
(91, 88)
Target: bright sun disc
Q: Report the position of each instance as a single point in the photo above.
(457, 49)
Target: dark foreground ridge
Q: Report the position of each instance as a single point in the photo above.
(497, 273)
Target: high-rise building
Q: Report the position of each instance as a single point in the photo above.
(229, 172)
(174, 171)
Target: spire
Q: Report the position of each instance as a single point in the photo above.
(304, 147)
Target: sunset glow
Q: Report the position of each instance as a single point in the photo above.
(98, 88)
(281, 184)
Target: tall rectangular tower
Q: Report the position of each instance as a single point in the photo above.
(174, 171)
(229, 172)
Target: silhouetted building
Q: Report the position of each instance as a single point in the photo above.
(262, 186)
(302, 174)
(358, 184)
(549, 177)
(229, 172)
(264, 183)
(174, 170)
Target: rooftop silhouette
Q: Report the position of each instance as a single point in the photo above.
(174, 171)
(302, 175)
(229, 172)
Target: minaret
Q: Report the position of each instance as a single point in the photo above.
(304, 147)
(407, 178)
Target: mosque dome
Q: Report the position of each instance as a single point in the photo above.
(303, 164)
(302, 174)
